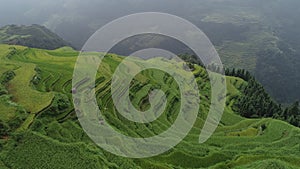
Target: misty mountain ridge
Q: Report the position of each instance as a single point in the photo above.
(34, 36)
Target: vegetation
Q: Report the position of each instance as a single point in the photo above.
(39, 127)
(35, 36)
(255, 102)
(260, 36)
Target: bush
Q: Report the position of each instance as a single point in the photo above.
(18, 119)
(60, 103)
(4, 129)
(7, 76)
(3, 91)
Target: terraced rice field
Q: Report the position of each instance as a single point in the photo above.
(49, 135)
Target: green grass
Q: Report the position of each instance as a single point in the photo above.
(52, 138)
(266, 164)
(41, 152)
(23, 94)
(7, 109)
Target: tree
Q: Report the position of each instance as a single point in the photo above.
(4, 129)
(294, 110)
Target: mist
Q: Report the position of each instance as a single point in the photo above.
(254, 24)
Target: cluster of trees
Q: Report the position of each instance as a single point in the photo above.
(241, 73)
(291, 114)
(257, 103)
(4, 129)
(6, 77)
(190, 58)
(59, 104)
(12, 52)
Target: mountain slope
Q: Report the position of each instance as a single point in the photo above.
(51, 137)
(260, 36)
(35, 36)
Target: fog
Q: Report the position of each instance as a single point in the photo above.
(85, 16)
(82, 18)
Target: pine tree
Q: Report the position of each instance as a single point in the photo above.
(256, 102)
(294, 110)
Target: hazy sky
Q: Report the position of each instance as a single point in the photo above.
(51, 12)
(69, 17)
(81, 18)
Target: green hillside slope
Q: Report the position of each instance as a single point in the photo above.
(39, 128)
(35, 36)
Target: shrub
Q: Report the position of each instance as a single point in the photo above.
(7, 76)
(4, 129)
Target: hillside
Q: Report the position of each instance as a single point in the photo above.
(34, 36)
(39, 128)
(259, 36)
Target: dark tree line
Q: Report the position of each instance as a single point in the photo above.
(291, 114)
(255, 102)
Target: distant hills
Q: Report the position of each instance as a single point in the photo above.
(262, 37)
(35, 36)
